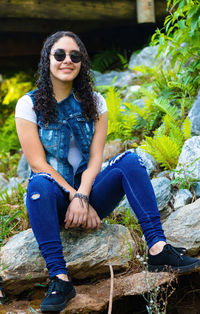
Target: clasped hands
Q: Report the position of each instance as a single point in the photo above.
(80, 213)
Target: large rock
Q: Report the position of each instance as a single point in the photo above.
(129, 95)
(89, 301)
(114, 78)
(87, 253)
(149, 161)
(23, 169)
(112, 148)
(197, 189)
(182, 198)
(162, 190)
(3, 182)
(194, 116)
(94, 297)
(146, 56)
(13, 184)
(189, 159)
(182, 228)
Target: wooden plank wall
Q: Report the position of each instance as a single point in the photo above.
(68, 9)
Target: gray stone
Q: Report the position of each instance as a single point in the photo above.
(146, 56)
(134, 88)
(166, 173)
(13, 184)
(197, 189)
(149, 161)
(124, 205)
(162, 189)
(182, 228)
(194, 116)
(112, 148)
(189, 159)
(129, 95)
(94, 297)
(182, 198)
(139, 102)
(23, 169)
(87, 253)
(114, 78)
(3, 182)
(164, 214)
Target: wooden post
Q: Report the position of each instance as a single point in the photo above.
(145, 11)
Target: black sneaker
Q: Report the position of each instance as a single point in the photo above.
(171, 259)
(181, 250)
(59, 293)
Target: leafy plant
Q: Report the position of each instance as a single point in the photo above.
(171, 89)
(169, 138)
(9, 164)
(9, 139)
(179, 39)
(108, 60)
(13, 217)
(184, 178)
(11, 89)
(120, 123)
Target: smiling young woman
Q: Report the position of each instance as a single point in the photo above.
(62, 127)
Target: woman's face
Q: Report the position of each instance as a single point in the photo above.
(66, 70)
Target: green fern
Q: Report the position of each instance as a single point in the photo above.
(187, 128)
(163, 149)
(134, 108)
(15, 87)
(9, 139)
(120, 124)
(108, 60)
(171, 134)
(164, 105)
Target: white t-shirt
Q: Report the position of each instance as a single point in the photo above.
(24, 110)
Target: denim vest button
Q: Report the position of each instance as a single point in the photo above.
(64, 121)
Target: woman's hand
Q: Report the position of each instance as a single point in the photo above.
(76, 214)
(93, 221)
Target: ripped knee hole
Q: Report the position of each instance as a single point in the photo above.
(35, 196)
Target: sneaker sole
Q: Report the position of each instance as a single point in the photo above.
(169, 268)
(58, 307)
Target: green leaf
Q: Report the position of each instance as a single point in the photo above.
(187, 128)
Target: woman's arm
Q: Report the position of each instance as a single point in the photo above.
(35, 154)
(96, 154)
(91, 220)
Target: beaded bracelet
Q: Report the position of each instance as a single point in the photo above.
(82, 198)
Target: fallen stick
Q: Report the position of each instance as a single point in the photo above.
(111, 288)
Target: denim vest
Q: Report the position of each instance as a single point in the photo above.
(55, 136)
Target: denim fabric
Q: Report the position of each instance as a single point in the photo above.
(47, 203)
(55, 136)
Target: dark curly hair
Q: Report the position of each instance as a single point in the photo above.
(82, 84)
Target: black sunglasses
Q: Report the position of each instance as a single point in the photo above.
(75, 55)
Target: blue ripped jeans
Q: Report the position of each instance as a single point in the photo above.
(47, 203)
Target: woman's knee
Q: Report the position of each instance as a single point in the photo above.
(127, 158)
(40, 185)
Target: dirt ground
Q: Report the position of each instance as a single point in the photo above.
(185, 300)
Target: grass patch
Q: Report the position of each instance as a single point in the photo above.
(13, 216)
